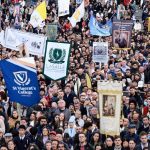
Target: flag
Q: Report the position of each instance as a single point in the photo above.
(21, 82)
(56, 60)
(78, 14)
(38, 15)
(88, 81)
(63, 7)
(102, 30)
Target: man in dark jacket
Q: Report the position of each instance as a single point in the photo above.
(22, 141)
(83, 143)
(144, 141)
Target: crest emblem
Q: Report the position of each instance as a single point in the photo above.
(21, 78)
(57, 55)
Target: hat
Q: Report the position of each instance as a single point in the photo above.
(53, 132)
(131, 126)
(22, 127)
(8, 134)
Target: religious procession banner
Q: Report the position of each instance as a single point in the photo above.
(100, 52)
(56, 60)
(122, 30)
(51, 32)
(110, 95)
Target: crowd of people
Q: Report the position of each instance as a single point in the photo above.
(67, 118)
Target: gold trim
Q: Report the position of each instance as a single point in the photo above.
(109, 92)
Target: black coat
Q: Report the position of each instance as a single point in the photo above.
(22, 144)
(139, 147)
(86, 147)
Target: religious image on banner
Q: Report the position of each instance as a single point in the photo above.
(122, 31)
(63, 7)
(51, 32)
(56, 60)
(109, 105)
(110, 95)
(100, 52)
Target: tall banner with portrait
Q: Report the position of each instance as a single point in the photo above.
(56, 60)
(110, 95)
(122, 30)
(100, 52)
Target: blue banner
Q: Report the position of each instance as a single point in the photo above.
(99, 29)
(21, 82)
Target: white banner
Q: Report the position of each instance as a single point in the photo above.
(110, 95)
(100, 52)
(34, 43)
(63, 7)
(56, 60)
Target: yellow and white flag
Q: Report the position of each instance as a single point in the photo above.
(38, 15)
(78, 14)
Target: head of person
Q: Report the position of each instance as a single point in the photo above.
(143, 138)
(146, 120)
(22, 130)
(15, 114)
(43, 121)
(125, 143)
(48, 145)
(45, 131)
(11, 145)
(132, 144)
(95, 137)
(33, 147)
(61, 104)
(117, 141)
(3, 148)
(82, 138)
(23, 121)
(52, 135)
(55, 145)
(61, 146)
(8, 137)
(132, 128)
(109, 141)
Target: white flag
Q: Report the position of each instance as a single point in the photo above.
(63, 7)
(78, 14)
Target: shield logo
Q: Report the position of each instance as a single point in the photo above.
(21, 77)
(57, 54)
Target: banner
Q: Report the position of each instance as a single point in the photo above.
(56, 60)
(51, 32)
(63, 7)
(100, 52)
(38, 15)
(11, 40)
(21, 82)
(78, 14)
(99, 30)
(122, 34)
(110, 95)
(34, 43)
